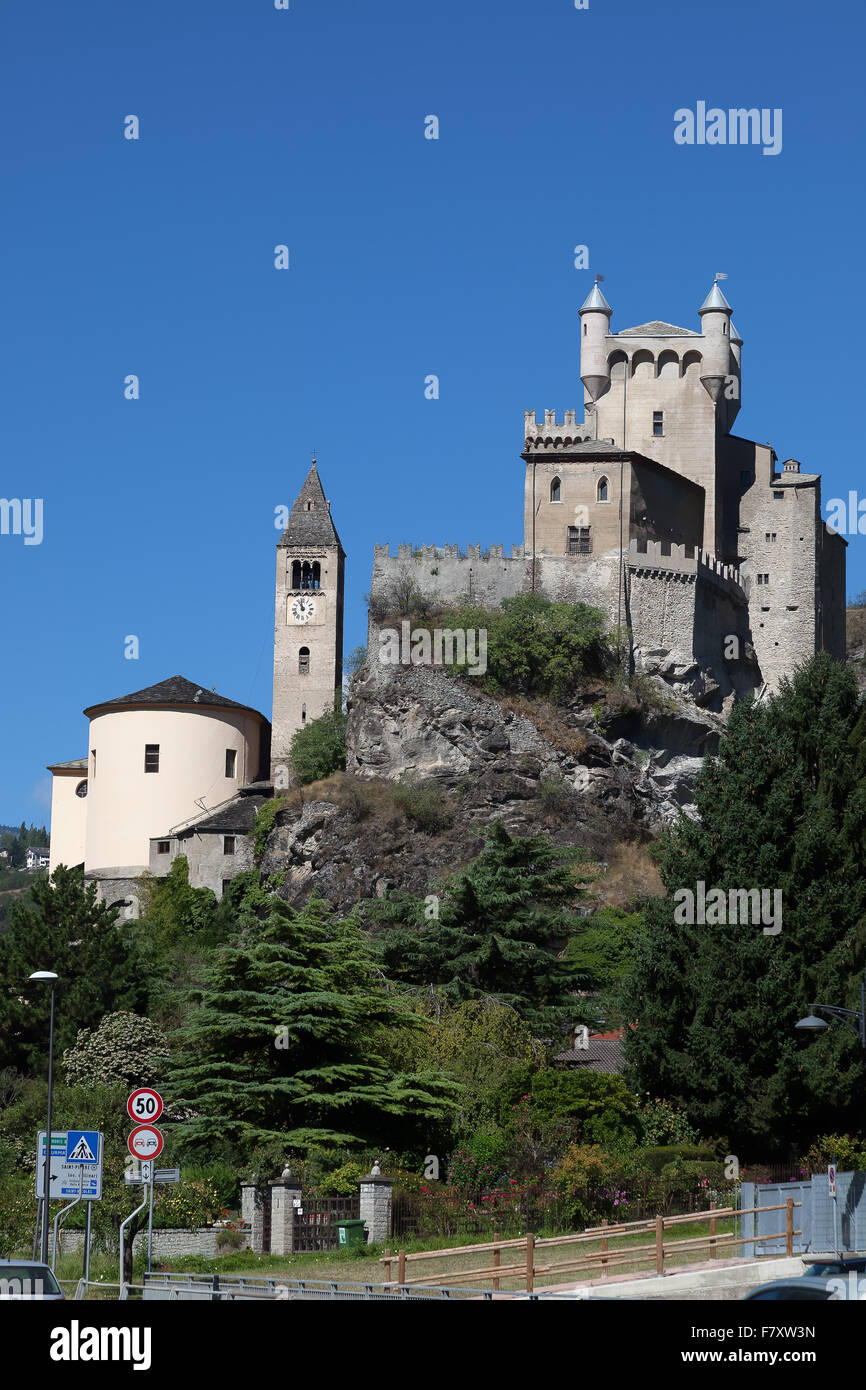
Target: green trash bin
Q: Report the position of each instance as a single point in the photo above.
(352, 1232)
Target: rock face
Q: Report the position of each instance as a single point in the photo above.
(598, 773)
(418, 722)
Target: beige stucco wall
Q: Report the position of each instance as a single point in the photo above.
(68, 819)
(126, 806)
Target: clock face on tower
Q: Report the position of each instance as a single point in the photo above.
(303, 609)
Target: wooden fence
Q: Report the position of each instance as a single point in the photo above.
(656, 1251)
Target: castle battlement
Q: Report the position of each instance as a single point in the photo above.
(686, 560)
(553, 433)
(423, 553)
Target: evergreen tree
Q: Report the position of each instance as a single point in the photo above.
(783, 807)
(495, 929)
(281, 1043)
(62, 927)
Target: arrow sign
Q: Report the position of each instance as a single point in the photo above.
(145, 1141)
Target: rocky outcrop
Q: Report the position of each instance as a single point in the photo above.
(419, 722)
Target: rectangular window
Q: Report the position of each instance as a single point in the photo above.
(579, 540)
(763, 579)
(231, 762)
(770, 536)
(228, 844)
(658, 422)
(151, 757)
(778, 496)
(163, 846)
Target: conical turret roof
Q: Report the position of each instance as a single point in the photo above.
(310, 518)
(715, 300)
(595, 300)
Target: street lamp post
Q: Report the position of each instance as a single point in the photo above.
(851, 1018)
(47, 976)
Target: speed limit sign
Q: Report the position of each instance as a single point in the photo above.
(144, 1105)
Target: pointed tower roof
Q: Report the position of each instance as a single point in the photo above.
(310, 520)
(715, 300)
(595, 300)
(735, 337)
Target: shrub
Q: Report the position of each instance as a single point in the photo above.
(848, 1153)
(662, 1122)
(263, 824)
(424, 804)
(555, 794)
(319, 749)
(658, 1159)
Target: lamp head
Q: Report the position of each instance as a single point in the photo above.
(812, 1023)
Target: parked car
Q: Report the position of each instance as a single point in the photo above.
(799, 1289)
(835, 1264)
(28, 1279)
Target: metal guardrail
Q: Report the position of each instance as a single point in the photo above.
(217, 1287)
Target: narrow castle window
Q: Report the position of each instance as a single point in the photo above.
(556, 490)
(658, 423)
(304, 661)
(303, 714)
(231, 762)
(151, 757)
(228, 844)
(579, 540)
(602, 490)
(93, 769)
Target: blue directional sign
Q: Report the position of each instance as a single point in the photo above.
(82, 1146)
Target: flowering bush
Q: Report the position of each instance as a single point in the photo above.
(845, 1150)
(663, 1122)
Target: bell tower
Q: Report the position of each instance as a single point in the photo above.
(308, 628)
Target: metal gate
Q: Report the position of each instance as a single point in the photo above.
(315, 1221)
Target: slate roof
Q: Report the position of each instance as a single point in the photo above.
(235, 817)
(601, 1054)
(177, 690)
(79, 764)
(656, 328)
(310, 520)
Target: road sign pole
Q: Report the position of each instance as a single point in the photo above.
(87, 1248)
(38, 1224)
(150, 1216)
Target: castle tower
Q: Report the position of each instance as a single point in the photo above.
(308, 629)
(715, 316)
(595, 315)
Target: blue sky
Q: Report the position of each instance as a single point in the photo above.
(408, 257)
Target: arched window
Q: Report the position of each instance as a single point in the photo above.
(296, 574)
(304, 661)
(81, 789)
(602, 491)
(556, 490)
(669, 364)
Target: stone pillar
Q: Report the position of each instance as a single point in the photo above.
(375, 1208)
(285, 1191)
(252, 1210)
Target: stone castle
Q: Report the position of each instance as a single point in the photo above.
(715, 559)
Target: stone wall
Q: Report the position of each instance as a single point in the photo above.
(447, 574)
(168, 1243)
